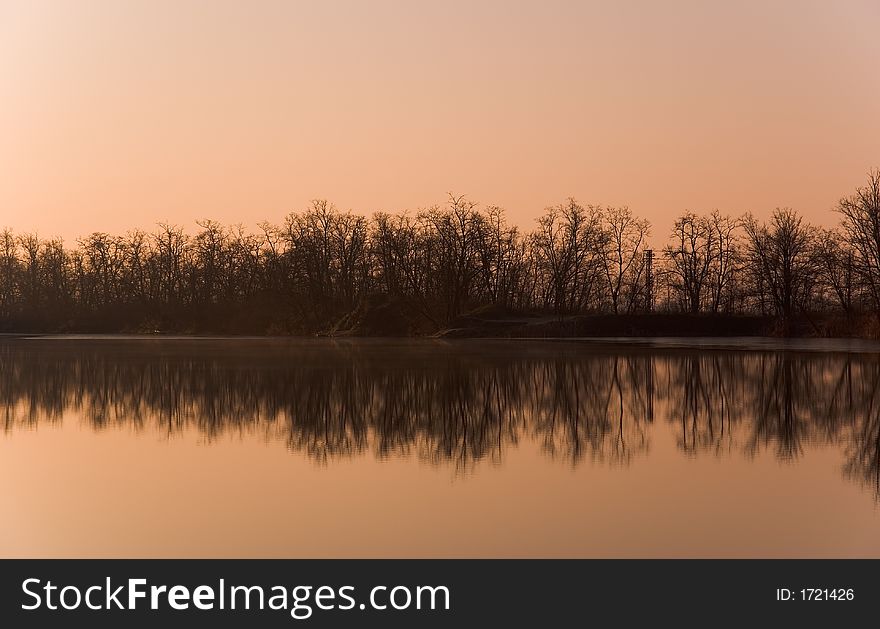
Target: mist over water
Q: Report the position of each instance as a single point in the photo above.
(480, 430)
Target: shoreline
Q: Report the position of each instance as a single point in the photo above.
(508, 326)
(663, 344)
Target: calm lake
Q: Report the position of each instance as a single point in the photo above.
(190, 447)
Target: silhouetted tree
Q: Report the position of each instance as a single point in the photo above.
(10, 275)
(569, 247)
(725, 268)
(836, 265)
(624, 259)
(861, 224)
(456, 235)
(782, 262)
(504, 267)
(691, 256)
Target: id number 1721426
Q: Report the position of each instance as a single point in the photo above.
(815, 594)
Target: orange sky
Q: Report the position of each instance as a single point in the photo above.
(119, 114)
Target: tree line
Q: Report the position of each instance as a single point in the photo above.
(318, 265)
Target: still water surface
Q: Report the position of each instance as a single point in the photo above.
(159, 447)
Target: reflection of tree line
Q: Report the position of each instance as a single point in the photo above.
(783, 401)
(459, 403)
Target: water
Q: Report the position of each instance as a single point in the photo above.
(157, 447)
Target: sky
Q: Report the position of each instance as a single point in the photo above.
(116, 115)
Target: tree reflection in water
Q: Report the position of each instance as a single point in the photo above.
(458, 403)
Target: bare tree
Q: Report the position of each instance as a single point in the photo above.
(782, 262)
(570, 244)
(458, 232)
(861, 224)
(691, 256)
(9, 274)
(503, 265)
(351, 271)
(725, 266)
(836, 265)
(624, 259)
(169, 262)
(30, 282)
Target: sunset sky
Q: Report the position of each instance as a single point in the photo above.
(116, 115)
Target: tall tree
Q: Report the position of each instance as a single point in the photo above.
(624, 259)
(782, 261)
(691, 255)
(861, 223)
